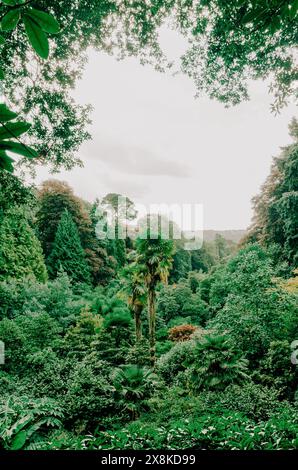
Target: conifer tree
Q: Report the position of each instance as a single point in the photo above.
(20, 250)
(67, 253)
(54, 198)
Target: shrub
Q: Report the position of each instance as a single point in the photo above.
(181, 333)
(80, 336)
(178, 300)
(215, 364)
(15, 343)
(255, 401)
(24, 420)
(89, 396)
(227, 431)
(139, 353)
(277, 369)
(173, 362)
(133, 386)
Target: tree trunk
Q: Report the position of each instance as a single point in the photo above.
(138, 323)
(152, 317)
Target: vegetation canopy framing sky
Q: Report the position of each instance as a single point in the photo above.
(152, 140)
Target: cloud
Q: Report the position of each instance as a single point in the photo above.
(126, 186)
(134, 160)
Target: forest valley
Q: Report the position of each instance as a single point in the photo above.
(138, 343)
(120, 344)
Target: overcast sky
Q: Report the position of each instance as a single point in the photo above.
(155, 143)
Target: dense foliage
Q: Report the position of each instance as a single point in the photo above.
(229, 43)
(138, 343)
(151, 358)
(276, 207)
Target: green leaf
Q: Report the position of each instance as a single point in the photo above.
(37, 37)
(9, 2)
(6, 114)
(254, 15)
(6, 161)
(274, 25)
(19, 440)
(2, 76)
(294, 10)
(47, 22)
(2, 40)
(10, 20)
(14, 129)
(20, 149)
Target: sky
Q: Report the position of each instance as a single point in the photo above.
(155, 143)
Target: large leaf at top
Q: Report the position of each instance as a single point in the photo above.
(10, 20)
(6, 114)
(19, 440)
(37, 37)
(294, 9)
(20, 149)
(6, 161)
(13, 129)
(255, 15)
(47, 22)
(9, 2)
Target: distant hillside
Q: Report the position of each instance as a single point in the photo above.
(209, 235)
(233, 235)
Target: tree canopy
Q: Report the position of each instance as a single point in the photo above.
(276, 207)
(20, 250)
(81, 333)
(67, 253)
(229, 44)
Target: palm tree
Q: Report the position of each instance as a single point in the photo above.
(135, 290)
(216, 364)
(133, 385)
(156, 256)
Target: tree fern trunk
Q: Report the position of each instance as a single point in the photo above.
(152, 317)
(138, 322)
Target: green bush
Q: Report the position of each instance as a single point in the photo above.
(89, 396)
(173, 362)
(277, 369)
(178, 300)
(24, 420)
(227, 431)
(255, 401)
